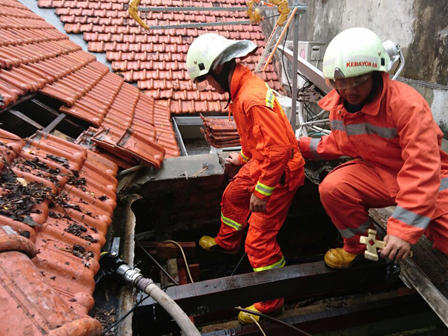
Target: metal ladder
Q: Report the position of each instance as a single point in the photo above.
(276, 36)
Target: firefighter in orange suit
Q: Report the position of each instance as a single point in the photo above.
(272, 166)
(389, 130)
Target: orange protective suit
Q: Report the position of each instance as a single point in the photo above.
(273, 172)
(398, 161)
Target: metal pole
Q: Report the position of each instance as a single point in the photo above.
(301, 8)
(199, 25)
(200, 9)
(302, 123)
(295, 38)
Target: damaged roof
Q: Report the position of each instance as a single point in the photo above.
(57, 197)
(126, 125)
(155, 59)
(57, 200)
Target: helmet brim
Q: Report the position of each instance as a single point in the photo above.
(238, 49)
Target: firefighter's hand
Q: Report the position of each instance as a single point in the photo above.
(257, 205)
(395, 247)
(233, 159)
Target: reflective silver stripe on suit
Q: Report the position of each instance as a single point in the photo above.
(350, 232)
(313, 148)
(363, 128)
(443, 184)
(411, 218)
(337, 125)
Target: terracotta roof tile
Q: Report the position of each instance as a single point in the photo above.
(72, 87)
(14, 55)
(131, 141)
(55, 288)
(96, 46)
(220, 132)
(125, 43)
(108, 138)
(96, 103)
(35, 57)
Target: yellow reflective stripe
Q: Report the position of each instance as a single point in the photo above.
(264, 189)
(245, 158)
(278, 264)
(270, 98)
(281, 110)
(231, 223)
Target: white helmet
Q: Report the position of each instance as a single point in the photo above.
(211, 50)
(354, 52)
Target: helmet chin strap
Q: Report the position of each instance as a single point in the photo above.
(223, 78)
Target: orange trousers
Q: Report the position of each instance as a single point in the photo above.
(349, 191)
(261, 242)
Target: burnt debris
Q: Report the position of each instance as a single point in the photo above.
(19, 197)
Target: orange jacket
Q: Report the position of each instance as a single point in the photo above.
(265, 133)
(397, 135)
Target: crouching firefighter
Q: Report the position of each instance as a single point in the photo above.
(388, 129)
(272, 166)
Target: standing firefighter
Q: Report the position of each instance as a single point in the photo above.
(388, 128)
(272, 164)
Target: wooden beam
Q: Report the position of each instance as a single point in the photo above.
(166, 250)
(18, 102)
(54, 112)
(325, 318)
(303, 280)
(184, 278)
(25, 118)
(170, 266)
(54, 123)
(426, 271)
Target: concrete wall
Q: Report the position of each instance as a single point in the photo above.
(420, 27)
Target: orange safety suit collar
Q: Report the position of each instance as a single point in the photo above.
(239, 73)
